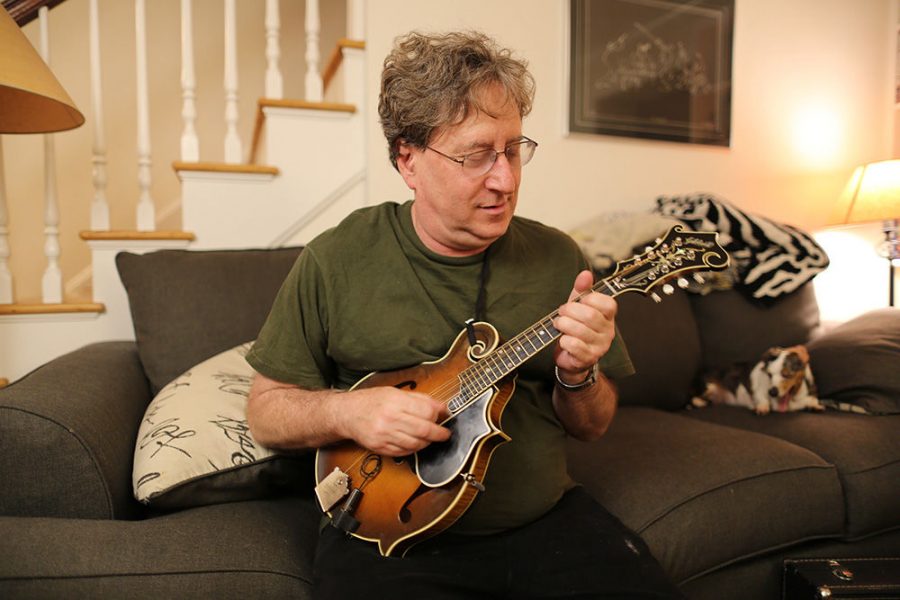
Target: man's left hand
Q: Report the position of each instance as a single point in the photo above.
(587, 327)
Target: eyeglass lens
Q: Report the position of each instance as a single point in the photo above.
(518, 153)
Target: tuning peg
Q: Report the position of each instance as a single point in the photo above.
(656, 297)
(667, 289)
(699, 278)
(683, 283)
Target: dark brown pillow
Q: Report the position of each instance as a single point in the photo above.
(189, 305)
(858, 362)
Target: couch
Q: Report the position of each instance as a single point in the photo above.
(721, 495)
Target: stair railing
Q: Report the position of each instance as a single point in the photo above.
(146, 214)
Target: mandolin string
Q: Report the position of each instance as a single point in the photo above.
(447, 391)
(449, 386)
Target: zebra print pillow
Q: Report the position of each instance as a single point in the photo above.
(772, 259)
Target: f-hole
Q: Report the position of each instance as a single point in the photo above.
(405, 515)
(411, 385)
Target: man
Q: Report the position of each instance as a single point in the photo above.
(393, 285)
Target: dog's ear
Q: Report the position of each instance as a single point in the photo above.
(802, 352)
(810, 381)
(771, 354)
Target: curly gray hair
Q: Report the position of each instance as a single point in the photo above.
(431, 81)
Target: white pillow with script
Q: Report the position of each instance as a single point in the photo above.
(194, 446)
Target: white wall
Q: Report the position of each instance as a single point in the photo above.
(823, 67)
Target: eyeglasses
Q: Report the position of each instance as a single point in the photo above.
(475, 164)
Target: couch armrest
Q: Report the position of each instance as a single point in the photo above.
(856, 362)
(67, 432)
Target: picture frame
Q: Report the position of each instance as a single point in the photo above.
(655, 69)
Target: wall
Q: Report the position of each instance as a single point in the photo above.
(812, 98)
(828, 64)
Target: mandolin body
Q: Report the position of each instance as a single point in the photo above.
(408, 499)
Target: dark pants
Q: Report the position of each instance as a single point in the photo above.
(577, 550)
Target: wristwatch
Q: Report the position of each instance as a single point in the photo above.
(590, 380)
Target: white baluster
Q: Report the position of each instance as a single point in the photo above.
(6, 283)
(190, 145)
(233, 149)
(51, 283)
(99, 206)
(313, 78)
(146, 214)
(274, 86)
(356, 19)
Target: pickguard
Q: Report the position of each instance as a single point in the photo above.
(440, 462)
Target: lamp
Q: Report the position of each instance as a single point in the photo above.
(873, 194)
(31, 99)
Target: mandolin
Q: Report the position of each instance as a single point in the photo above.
(397, 502)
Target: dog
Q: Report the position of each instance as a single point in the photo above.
(781, 381)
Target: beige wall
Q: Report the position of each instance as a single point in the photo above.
(825, 65)
(832, 58)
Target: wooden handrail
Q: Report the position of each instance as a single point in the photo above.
(25, 11)
(337, 56)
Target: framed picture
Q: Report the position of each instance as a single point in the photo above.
(658, 69)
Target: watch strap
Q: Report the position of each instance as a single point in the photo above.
(590, 380)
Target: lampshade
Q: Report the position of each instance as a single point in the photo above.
(872, 194)
(31, 99)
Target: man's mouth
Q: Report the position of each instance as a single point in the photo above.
(495, 207)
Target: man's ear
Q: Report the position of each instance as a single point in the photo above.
(407, 157)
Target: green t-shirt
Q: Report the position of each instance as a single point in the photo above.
(369, 296)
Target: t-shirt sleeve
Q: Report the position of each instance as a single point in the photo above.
(616, 363)
(291, 346)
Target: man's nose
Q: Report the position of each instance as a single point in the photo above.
(502, 177)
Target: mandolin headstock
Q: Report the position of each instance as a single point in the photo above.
(678, 252)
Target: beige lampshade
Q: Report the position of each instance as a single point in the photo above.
(31, 99)
(872, 194)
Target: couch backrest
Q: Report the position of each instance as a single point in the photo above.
(673, 343)
(190, 305)
(664, 345)
(734, 329)
(187, 305)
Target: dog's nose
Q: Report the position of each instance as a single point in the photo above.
(773, 391)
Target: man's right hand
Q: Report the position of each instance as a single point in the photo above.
(393, 422)
(385, 420)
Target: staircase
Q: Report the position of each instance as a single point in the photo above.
(302, 168)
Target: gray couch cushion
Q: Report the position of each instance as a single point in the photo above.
(664, 346)
(187, 306)
(734, 329)
(704, 495)
(859, 362)
(256, 549)
(865, 450)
